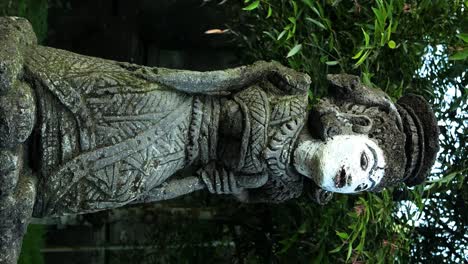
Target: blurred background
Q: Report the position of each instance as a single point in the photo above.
(418, 46)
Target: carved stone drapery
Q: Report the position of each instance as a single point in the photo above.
(80, 134)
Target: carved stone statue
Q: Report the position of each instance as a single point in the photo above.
(81, 134)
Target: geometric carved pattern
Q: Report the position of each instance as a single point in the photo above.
(123, 135)
(110, 133)
(255, 106)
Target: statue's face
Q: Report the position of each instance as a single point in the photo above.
(348, 164)
(342, 164)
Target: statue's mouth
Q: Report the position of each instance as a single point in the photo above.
(340, 178)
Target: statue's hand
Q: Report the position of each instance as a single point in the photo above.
(219, 180)
(286, 79)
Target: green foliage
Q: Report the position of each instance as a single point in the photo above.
(32, 243)
(34, 10)
(399, 46)
(461, 51)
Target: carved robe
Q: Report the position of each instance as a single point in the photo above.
(108, 135)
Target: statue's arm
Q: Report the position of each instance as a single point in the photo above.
(215, 179)
(224, 82)
(172, 189)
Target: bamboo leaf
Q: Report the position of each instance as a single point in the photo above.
(269, 35)
(358, 55)
(336, 250)
(252, 6)
(343, 235)
(295, 7)
(463, 36)
(281, 35)
(320, 25)
(366, 37)
(389, 31)
(332, 63)
(270, 11)
(362, 59)
(350, 251)
(308, 3)
(462, 55)
(294, 50)
(316, 11)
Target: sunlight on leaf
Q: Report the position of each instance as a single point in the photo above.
(252, 6)
(332, 63)
(294, 50)
(320, 25)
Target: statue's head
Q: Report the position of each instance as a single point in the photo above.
(367, 142)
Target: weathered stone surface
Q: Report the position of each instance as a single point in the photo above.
(80, 134)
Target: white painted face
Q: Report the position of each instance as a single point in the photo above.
(343, 164)
(348, 164)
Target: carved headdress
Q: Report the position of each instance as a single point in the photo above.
(422, 137)
(406, 131)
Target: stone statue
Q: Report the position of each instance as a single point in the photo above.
(81, 134)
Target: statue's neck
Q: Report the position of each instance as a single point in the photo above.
(303, 155)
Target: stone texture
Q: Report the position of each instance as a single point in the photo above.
(80, 134)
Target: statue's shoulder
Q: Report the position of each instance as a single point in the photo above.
(15, 34)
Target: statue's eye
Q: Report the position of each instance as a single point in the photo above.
(361, 187)
(364, 161)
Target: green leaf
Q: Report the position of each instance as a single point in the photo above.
(294, 50)
(291, 33)
(270, 11)
(358, 55)
(308, 3)
(391, 44)
(362, 59)
(336, 249)
(324, 58)
(350, 251)
(281, 34)
(448, 178)
(332, 63)
(295, 7)
(292, 20)
(269, 35)
(389, 31)
(380, 19)
(252, 6)
(316, 22)
(302, 228)
(366, 37)
(463, 36)
(343, 235)
(316, 11)
(382, 39)
(462, 55)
